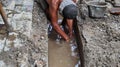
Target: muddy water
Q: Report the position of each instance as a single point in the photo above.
(60, 54)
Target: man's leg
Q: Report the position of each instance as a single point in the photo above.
(64, 25)
(70, 27)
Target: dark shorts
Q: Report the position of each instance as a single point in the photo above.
(43, 4)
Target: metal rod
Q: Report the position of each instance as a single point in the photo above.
(79, 42)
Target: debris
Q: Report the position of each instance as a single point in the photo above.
(116, 3)
(3, 29)
(115, 11)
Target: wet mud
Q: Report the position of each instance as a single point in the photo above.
(60, 54)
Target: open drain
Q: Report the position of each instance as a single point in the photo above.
(60, 54)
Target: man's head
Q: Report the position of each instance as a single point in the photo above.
(70, 11)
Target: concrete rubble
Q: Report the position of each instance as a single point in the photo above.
(26, 44)
(101, 38)
(117, 3)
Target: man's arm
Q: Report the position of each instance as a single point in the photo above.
(54, 18)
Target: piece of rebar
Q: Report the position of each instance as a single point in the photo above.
(79, 42)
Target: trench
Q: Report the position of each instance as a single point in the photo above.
(60, 53)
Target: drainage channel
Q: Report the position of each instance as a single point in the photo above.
(61, 54)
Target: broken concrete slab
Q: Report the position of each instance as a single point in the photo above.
(101, 40)
(26, 43)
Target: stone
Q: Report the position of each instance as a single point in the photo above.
(23, 61)
(12, 37)
(109, 5)
(2, 64)
(6, 48)
(39, 63)
(28, 5)
(19, 2)
(22, 22)
(17, 43)
(11, 6)
(1, 20)
(1, 45)
(3, 29)
(42, 38)
(117, 3)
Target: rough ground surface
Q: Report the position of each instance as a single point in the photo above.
(101, 39)
(26, 44)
